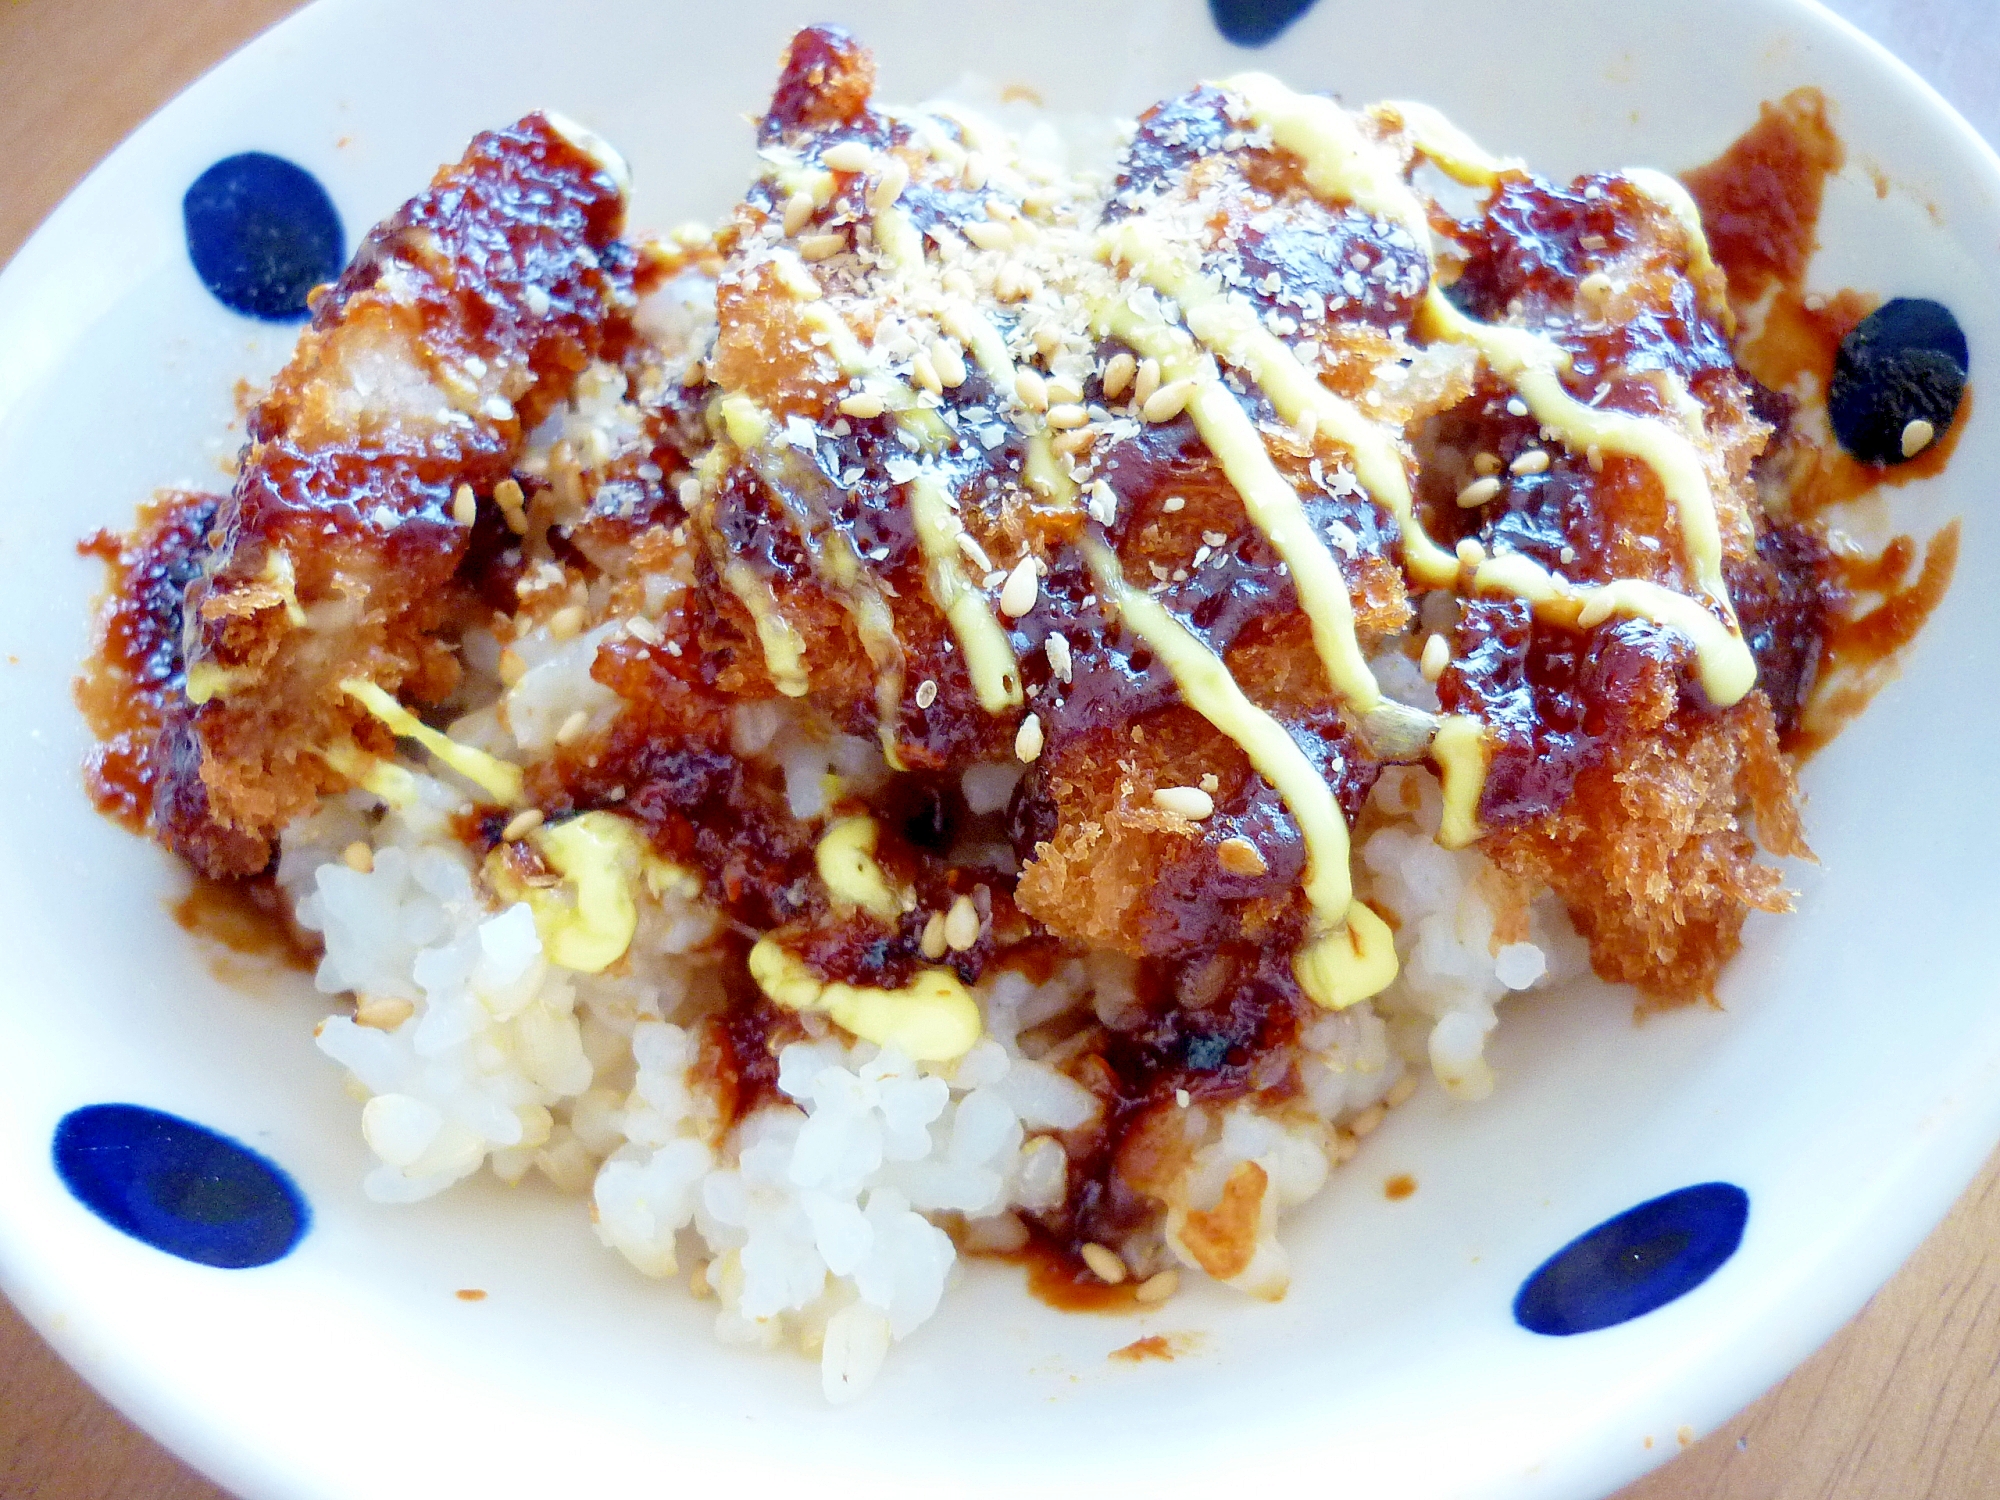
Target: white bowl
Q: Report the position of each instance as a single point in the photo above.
(1848, 1084)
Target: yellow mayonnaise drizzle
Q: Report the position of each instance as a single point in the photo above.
(384, 778)
(1349, 958)
(587, 923)
(1462, 753)
(989, 658)
(1340, 163)
(931, 1019)
(499, 779)
(845, 858)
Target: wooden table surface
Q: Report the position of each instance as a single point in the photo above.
(1904, 1401)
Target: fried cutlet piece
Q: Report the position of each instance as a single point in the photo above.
(1653, 851)
(1613, 779)
(460, 323)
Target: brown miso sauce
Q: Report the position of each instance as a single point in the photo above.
(1760, 199)
(1058, 1278)
(1152, 1346)
(246, 917)
(1760, 204)
(1399, 1187)
(1859, 657)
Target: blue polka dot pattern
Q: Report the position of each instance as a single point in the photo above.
(178, 1186)
(1252, 23)
(1905, 362)
(262, 233)
(1628, 1266)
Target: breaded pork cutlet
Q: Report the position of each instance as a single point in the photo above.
(461, 321)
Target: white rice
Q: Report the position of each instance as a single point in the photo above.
(827, 1222)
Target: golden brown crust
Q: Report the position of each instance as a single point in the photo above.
(1654, 858)
(461, 321)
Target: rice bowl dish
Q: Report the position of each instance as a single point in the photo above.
(989, 706)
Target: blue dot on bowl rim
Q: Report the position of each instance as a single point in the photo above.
(262, 233)
(178, 1186)
(1255, 23)
(1905, 362)
(1635, 1263)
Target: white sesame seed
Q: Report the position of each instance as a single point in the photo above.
(1594, 456)
(1594, 289)
(1022, 588)
(464, 509)
(1074, 441)
(513, 505)
(932, 944)
(1533, 461)
(949, 362)
(798, 213)
(1158, 1287)
(382, 1012)
(521, 824)
(1028, 740)
(925, 374)
(573, 727)
(848, 156)
(499, 408)
(1104, 1265)
(1478, 492)
(358, 857)
(567, 623)
(1485, 463)
(1183, 1098)
(1064, 390)
(974, 553)
(1118, 373)
(1189, 802)
(926, 693)
(1168, 402)
(974, 171)
(642, 629)
(1238, 856)
(821, 246)
(1436, 657)
(895, 177)
(1470, 552)
(961, 925)
(1103, 503)
(1367, 1122)
(1917, 436)
(1516, 406)
(1067, 415)
(1032, 389)
(1146, 381)
(862, 404)
(988, 234)
(1056, 648)
(1173, 503)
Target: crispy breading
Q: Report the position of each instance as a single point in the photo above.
(461, 321)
